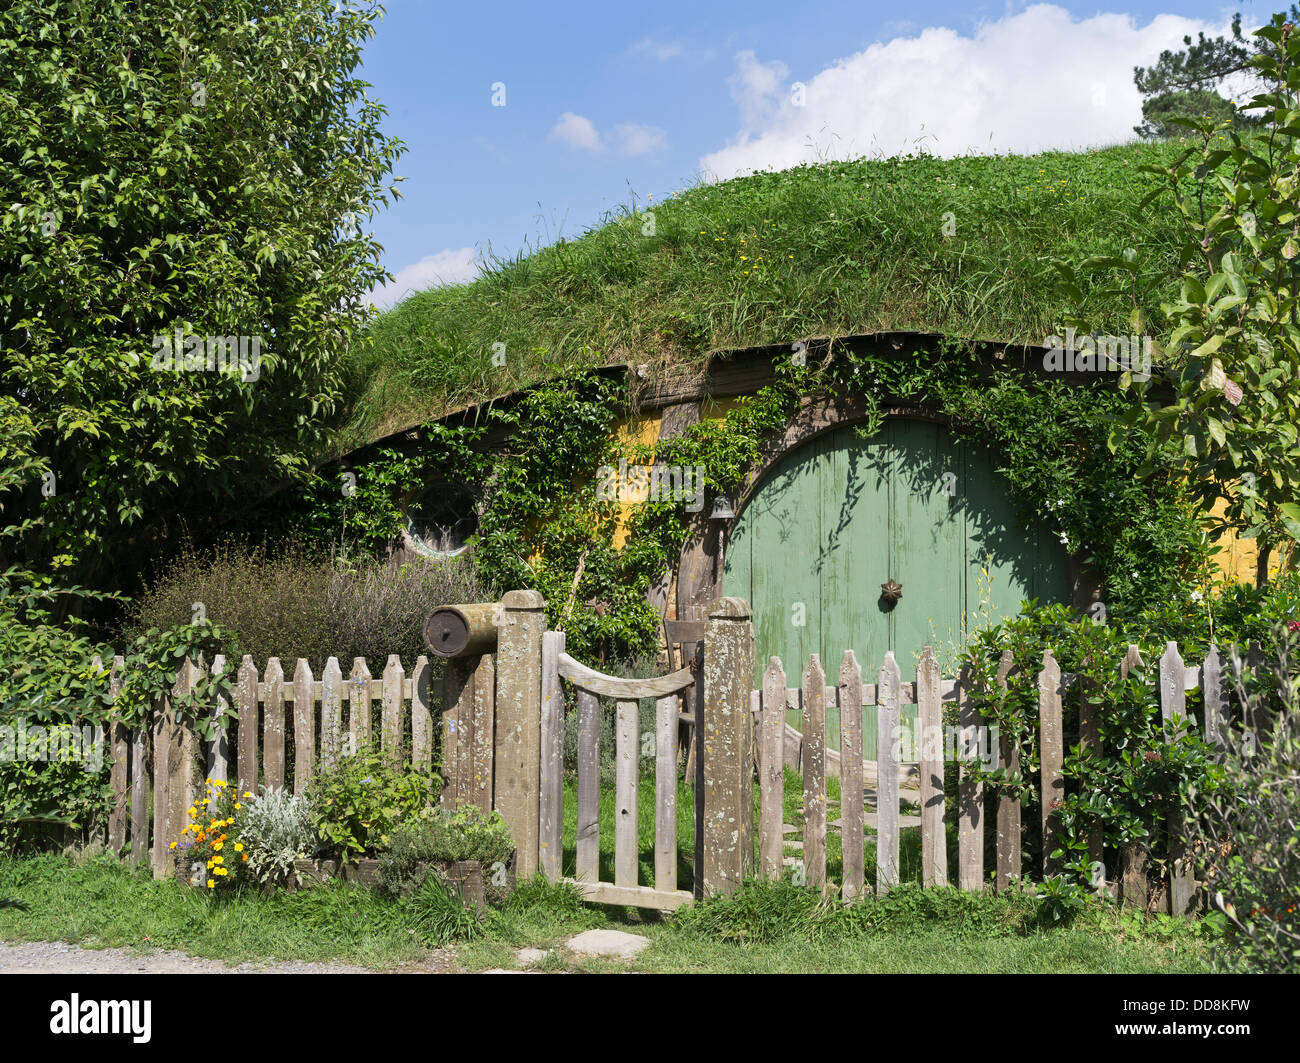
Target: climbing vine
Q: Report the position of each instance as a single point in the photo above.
(544, 523)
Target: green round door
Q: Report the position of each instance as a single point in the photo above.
(841, 515)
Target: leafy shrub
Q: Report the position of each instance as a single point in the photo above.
(1144, 777)
(276, 830)
(57, 784)
(439, 836)
(41, 801)
(357, 804)
(297, 601)
(1244, 838)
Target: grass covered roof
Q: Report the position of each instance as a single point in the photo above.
(956, 246)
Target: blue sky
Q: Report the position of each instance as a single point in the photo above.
(606, 100)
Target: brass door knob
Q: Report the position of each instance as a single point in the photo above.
(891, 591)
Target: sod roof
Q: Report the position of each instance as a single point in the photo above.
(959, 247)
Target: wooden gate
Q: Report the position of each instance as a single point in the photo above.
(723, 784)
(625, 694)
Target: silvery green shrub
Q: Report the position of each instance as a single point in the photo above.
(276, 830)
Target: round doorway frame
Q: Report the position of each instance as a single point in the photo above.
(700, 564)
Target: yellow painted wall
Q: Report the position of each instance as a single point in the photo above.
(1237, 557)
(642, 431)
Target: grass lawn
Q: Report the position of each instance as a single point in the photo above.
(96, 902)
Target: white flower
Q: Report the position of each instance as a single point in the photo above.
(1196, 596)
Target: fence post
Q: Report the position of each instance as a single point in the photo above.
(518, 764)
(726, 747)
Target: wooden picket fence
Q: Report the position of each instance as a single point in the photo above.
(285, 725)
(929, 693)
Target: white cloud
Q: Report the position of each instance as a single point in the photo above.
(576, 131)
(458, 266)
(1029, 82)
(757, 89)
(660, 50)
(639, 139)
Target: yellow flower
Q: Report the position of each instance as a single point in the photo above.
(221, 871)
(216, 846)
(212, 883)
(220, 784)
(210, 864)
(238, 805)
(172, 846)
(239, 847)
(247, 794)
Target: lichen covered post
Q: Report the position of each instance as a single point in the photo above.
(519, 722)
(727, 747)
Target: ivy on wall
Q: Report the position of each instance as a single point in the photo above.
(544, 526)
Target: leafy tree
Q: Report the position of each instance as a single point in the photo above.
(1224, 399)
(199, 167)
(1189, 81)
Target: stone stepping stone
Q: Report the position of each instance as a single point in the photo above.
(529, 957)
(607, 943)
(787, 828)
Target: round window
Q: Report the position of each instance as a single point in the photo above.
(439, 522)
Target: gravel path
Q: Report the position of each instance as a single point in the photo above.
(58, 957)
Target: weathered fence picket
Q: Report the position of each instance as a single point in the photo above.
(1009, 842)
(1051, 751)
(934, 841)
(887, 761)
(273, 725)
(814, 773)
(852, 792)
(771, 758)
(304, 726)
(970, 794)
(1173, 712)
